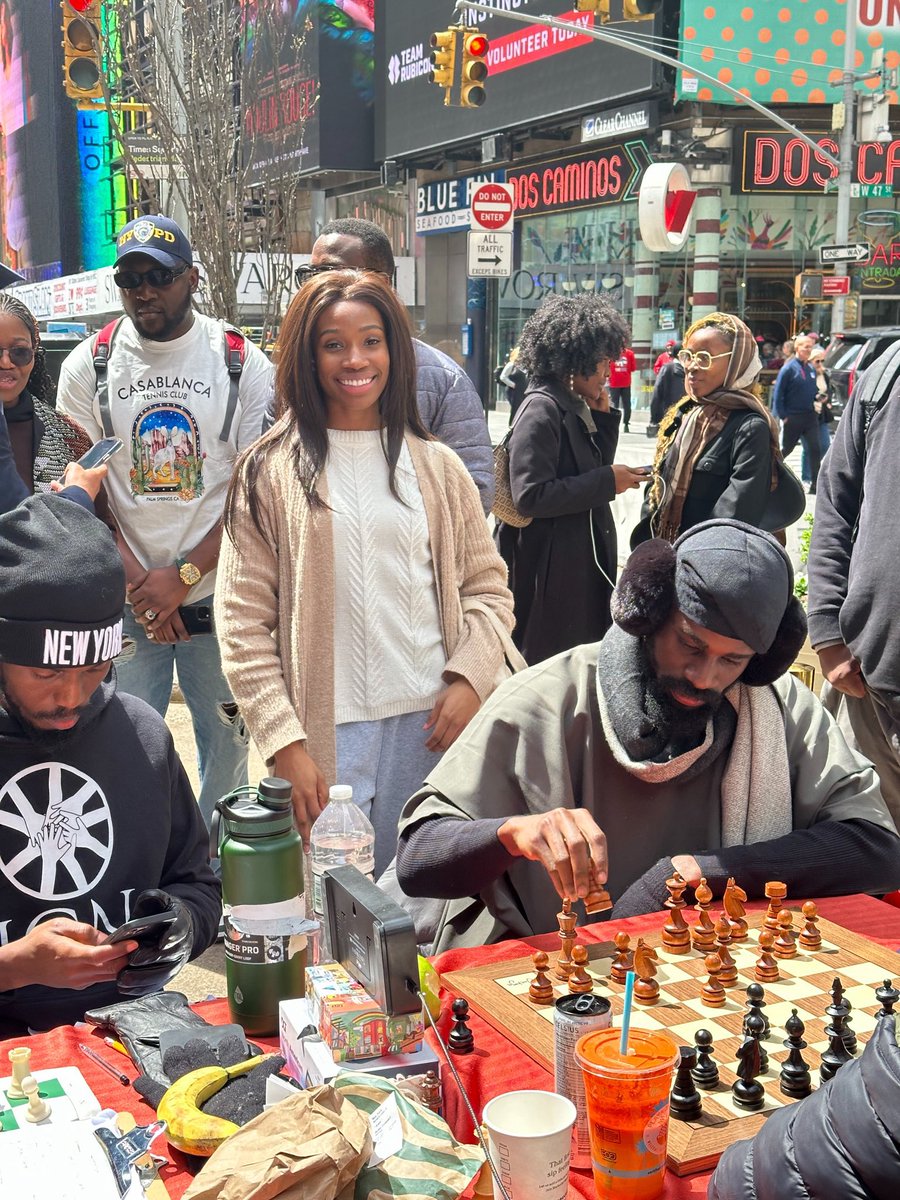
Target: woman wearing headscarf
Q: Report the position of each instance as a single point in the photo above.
(717, 452)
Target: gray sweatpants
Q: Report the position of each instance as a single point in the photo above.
(864, 731)
(384, 762)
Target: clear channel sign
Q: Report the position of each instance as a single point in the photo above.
(490, 255)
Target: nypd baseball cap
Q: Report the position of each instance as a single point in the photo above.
(157, 237)
(62, 586)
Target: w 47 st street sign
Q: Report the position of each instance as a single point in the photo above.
(856, 252)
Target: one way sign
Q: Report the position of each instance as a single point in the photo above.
(490, 255)
(857, 252)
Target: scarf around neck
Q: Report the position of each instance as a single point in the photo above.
(756, 800)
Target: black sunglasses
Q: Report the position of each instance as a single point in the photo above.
(157, 277)
(19, 356)
(307, 271)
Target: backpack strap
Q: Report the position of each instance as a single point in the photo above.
(102, 348)
(235, 350)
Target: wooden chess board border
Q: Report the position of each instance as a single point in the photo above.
(693, 1145)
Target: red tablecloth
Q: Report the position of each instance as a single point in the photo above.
(498, 1066)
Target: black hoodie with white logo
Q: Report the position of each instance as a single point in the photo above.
(87, 825)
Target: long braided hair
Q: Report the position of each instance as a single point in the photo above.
(39, 384)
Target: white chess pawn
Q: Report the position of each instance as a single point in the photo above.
(20, 1058)
(38, 1109)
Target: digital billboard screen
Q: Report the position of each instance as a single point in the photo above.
(534, 72)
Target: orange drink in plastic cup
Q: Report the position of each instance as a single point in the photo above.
(628, 1110)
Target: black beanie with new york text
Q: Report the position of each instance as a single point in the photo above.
(62, 586)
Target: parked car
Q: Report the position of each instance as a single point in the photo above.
(849, 354)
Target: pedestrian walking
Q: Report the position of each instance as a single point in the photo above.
(621, 369)
(823, 410)
(361, 604)
(794, 403)
(185, 403)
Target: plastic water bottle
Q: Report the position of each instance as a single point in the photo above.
(341, 836)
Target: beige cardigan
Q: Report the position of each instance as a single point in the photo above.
(274, 606)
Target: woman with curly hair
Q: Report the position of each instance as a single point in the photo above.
(562, 566)
(717, 451)
(360, 599)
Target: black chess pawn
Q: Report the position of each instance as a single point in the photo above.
(794, 1079)
(685, 1102)
(706, 1073)
(461, 1039)
(747, 1091)
(756, 1002)
(887, 996)
(754, 1027)
(839, 999)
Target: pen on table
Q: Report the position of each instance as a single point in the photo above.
(101, 1062)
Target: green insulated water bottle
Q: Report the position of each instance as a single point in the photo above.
(261, 854)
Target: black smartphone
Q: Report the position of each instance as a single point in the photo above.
(141, 927)
(197, 618)
(100, 452)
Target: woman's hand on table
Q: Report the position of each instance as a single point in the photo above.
(453, 710)
(64, 954)
(569, 844)
(310, 789)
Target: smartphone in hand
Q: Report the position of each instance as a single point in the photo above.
(100, 452)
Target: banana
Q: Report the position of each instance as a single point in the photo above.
(188, 1128)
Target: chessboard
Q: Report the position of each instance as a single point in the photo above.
(498, 992)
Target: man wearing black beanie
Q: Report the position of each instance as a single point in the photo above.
(98, 823)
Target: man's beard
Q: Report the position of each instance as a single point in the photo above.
(684, 722)
(169, 326)
(47, 739)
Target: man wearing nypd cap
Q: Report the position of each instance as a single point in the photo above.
(98, 823)
(167, 390)
(678, 743)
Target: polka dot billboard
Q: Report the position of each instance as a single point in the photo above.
(782, 51)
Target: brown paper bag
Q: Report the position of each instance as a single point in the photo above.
(309, 1147)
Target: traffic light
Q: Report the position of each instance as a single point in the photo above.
(474, 69)
(81, 49)
(444, 46)
(640, 10)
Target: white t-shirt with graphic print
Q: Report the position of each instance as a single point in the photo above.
(168, 483)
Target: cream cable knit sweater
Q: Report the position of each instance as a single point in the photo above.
(275, 598)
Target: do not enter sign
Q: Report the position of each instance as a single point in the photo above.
(493, 207)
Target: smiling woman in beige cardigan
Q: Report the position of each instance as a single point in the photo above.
(359, 595)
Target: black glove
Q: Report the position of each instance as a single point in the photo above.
(163, 950)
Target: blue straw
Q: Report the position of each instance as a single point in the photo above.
(626, 1013)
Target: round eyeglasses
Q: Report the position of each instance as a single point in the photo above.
(702, 360)
(19, 356)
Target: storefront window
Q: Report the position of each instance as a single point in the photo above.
(387, 208)
(587, 251)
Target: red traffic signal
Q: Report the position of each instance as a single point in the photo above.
(80, 5)
(476, 45)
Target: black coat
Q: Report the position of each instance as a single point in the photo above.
(561, 475)
(732, 478)
(840, 1143)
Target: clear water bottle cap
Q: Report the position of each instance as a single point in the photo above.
(340, 791)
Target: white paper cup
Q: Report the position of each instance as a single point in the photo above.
(530, 1139)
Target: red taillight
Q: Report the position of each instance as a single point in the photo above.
(851, 379)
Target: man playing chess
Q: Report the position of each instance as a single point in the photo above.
(677, 743)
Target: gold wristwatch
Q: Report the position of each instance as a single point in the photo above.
(188, 573)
